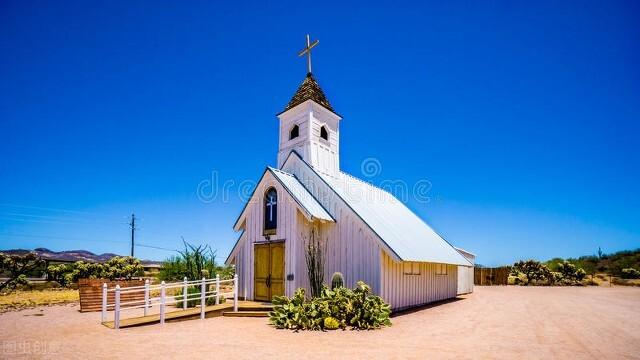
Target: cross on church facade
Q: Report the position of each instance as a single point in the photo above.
(307, 51)
(271, 203)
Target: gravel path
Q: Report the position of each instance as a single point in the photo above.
(494, 322)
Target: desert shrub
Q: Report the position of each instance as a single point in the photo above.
(118, 267)
(173, 269)
(122, 267)
(339, 308)
(554, 263)
(555, 278)
(535, 273)
(193, 300)
(57, 273)
(516, 278)
(630, 273)
(569, 274)
(532, 272)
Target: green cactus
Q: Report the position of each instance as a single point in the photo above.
(337, 281)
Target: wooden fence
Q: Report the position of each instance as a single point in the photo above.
(91, 292)
(491, 276)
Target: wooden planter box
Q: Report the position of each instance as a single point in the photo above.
(91, 292)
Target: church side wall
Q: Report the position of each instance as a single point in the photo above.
(404, 291)
(465, 280)
(352, 248)
(466, 273)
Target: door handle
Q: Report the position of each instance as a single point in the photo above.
(268, 281)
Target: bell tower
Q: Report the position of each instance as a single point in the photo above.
(310, 126)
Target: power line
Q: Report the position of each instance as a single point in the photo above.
(56, 218)
(81, 239)
(156, 247)
(46, 209)
(45, 221)
(60, 237)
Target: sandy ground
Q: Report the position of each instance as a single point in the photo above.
(494, 322)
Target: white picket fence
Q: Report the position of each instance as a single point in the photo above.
(163, 300)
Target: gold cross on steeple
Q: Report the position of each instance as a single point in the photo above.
(307, 51)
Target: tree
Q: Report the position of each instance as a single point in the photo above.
(314, 257)
(17, 267)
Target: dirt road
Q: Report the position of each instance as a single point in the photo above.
(494, 322)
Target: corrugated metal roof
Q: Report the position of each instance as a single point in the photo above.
(402, 230)
(302, 196)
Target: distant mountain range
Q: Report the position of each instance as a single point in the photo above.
(70, 255)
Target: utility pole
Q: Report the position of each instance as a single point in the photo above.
(133, 231)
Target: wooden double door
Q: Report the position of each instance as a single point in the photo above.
(268, 271)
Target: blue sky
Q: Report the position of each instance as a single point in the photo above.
(523, 116)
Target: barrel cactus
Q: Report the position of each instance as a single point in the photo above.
(337, 280)
(331, 323)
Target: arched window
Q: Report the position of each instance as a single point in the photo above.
(323, 133)
(270, 211)
(295, 131)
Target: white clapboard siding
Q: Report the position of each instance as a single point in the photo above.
(465, 280)
(402, 291)
(465, 273)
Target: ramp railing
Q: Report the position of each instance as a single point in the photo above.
(205, 289)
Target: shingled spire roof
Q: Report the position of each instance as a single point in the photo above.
(309, 90)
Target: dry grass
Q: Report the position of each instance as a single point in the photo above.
(21, 299)
(603, 280)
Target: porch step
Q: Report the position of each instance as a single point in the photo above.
(260, 308)
(245, 313)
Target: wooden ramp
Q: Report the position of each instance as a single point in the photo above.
(244, 307)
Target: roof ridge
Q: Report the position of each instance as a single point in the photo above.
(369, 184)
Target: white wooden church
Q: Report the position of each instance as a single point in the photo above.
(368, 234)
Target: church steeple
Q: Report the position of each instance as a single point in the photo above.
(309, 90)
(310, 126)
